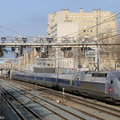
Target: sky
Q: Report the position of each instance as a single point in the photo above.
(29, 17)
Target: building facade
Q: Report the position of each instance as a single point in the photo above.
(95, 24)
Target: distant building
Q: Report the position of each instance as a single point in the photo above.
(82, 24)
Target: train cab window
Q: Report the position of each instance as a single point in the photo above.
(111, 81)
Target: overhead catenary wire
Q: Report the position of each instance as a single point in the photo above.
(3, 33)
(10, 30)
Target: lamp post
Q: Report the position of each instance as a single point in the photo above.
(97, 59)
(24, 39)
(3, 39)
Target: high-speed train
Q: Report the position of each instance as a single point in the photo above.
(99, 85)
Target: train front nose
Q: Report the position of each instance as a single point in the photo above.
(119, 93)
(119, 89)
(114, 88)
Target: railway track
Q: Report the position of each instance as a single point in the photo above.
(105, 111)
(28, 105)
(89, 107)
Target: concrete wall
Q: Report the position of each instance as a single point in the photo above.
(44, 70)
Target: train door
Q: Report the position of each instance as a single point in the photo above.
(106, 86)
(57, 86)
(71, 83)
(76, 84)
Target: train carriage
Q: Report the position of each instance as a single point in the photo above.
(50, 80)
(101, 85)
(65, 81)
(94, 84)
(18, 76)
(40, 78)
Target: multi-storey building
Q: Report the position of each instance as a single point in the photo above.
(82, 24)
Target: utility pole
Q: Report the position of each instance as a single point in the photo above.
(97, 27)
(96, 59)
(96, 49)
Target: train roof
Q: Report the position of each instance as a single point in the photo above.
(112, 72)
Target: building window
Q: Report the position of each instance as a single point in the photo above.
(91, 21)
(104, 30)
(91, 26)
(44, 64)
(113, 20)
(28, 56)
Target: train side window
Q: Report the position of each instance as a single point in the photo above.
(111, 81)
(105, 74)
(99, 74)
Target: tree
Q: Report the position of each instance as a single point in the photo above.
(3, 51)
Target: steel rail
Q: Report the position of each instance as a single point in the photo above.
(31, 111)
(14, 108)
